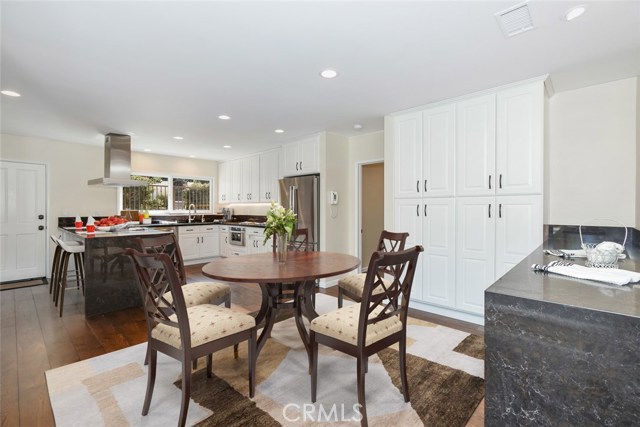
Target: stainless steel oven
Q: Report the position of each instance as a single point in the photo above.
(237, 236)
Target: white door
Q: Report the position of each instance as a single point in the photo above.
(235, 179)
(209, 245)
(407, 149)
(223, 183)
(475, 251)
(518, 230)
(290, 162)
(408, 217)
(475, 146)
(520, 140)
(189, 245)
(224, 241)
(439, 258)
(438, 133)
(23, 220)
(250, 167)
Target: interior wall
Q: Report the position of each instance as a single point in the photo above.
(592, 154)
(637, 152)
(362, 149)
(334, 219)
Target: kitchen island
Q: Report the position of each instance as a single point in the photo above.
(110, 284)
(563, 351)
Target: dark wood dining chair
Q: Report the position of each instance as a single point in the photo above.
(299, 242)
(352, 286)
(195, 293)
(379, 321)
(185, 333)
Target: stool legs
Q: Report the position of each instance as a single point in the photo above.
(62, 272)
(54, 269)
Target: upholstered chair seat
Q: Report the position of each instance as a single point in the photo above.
(354, 283)
(197, 293)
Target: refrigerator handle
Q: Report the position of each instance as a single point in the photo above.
(293, 199)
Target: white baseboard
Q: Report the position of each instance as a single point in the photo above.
(447, 312)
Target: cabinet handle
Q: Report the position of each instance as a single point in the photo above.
(417, 210)
(238, 196)
(489, 210)
(489, 182)
(500, 183)
(500, 210)
(425, 210)
(202, 239)
(300, 164)
(417, 186)
(425, 185)
(296, 165)
(197, 240)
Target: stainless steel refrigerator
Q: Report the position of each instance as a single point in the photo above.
(302, 195)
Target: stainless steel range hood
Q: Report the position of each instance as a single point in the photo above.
(117, 163)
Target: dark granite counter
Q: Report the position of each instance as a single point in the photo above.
(563, 351)
(110, 284)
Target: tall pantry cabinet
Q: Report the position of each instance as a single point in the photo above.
(467, 180)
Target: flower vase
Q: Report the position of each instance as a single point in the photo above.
(282, 247)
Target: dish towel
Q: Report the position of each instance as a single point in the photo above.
(572, 253)
(607, 275)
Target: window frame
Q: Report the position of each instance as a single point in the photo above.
(171, 177)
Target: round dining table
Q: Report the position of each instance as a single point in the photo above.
(289, 284)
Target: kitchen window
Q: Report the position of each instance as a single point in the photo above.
(167, 193)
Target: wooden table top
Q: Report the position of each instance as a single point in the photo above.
(265, 268)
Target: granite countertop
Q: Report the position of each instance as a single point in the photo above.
(138, 231)
(522, 282)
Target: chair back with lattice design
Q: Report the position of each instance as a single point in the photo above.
(300, 240)
(391, 241)
(156, 275)
(395, 295)
(165, 244)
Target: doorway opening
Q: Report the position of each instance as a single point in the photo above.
(370, 209)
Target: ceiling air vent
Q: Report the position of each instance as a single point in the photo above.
(515, 20)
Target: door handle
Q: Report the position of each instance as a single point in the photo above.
(489, 182)
(296, 165)
(40, 216)
(500, 183)
(425, 210)
(489, 210)
(425, 185)
(500, 210)
(300, 164)
(417, 186)
(41, 227)
(417, 210)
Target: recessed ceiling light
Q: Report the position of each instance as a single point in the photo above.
(357, 126)
(226, 146)
(224, 117)
(9, 93)
(147, 149)
(279, 131)
(192, 156)
(179, 138)
(574, 12)
(329, 74)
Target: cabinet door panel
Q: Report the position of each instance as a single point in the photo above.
(439, 257)
(438, 151)
(475, 251)
(518, 230)
(309, 155)
(519, 140)
(209, 245)
(223, 183)
(235, 178)
(269, 176)
(475, 146)
(407, 141)
(408, 218)
(189, 246)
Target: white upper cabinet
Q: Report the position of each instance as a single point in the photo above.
(269, 176)
(301, 157)
(224, 183)
(518, 230)
(475, 146)
(407, 140)
(438, 134)
(250, 181)
(520, 139)
(235, 177)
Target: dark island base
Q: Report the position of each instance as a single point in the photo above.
(110, 277)
(556, 365)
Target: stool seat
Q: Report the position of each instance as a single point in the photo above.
(72, 247)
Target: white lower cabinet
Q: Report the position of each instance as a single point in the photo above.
(469, 243)
(199, 242)
(255, 238)
(223, 240)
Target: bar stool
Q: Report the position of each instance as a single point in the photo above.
(66, 250)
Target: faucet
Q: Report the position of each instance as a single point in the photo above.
(194, 212)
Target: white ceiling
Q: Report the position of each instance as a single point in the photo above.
(161, 69)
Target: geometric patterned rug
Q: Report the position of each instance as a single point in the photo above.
(445, 371)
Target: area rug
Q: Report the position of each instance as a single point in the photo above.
(445, 370)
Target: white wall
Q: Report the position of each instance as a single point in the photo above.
(592, 154)
(334, 219)
(637, 152)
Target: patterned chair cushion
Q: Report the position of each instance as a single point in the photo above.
(342, 324)
(207, 322)
(197, 293)
(354, 283)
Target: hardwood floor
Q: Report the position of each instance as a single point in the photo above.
(34, 339)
